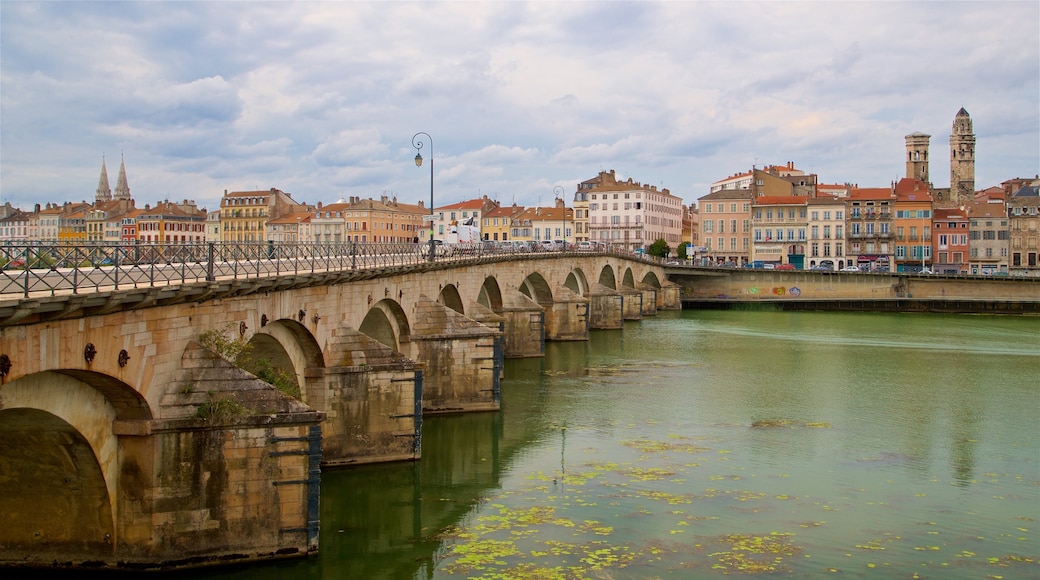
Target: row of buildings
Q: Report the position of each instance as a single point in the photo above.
(781, 215)
(776, 214)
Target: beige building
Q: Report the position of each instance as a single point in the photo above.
(244, 214)
(629, 215)
(726, 225)
(581, 212)
(988, 237)
(1024, 218)
(535, 224)
(779, 224)
(826, 232)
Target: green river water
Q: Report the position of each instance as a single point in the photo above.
(703, 444)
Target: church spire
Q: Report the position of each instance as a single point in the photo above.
(104, 192)
(122, 189)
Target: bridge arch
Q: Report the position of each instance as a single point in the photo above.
(606, 277)
(628, 279)
(386, 322)
(490, 294)
(651, 279)
(535, 287)
(576, 282)
(61, 459)
(284, 344)
(449, 296)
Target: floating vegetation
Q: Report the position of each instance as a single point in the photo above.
(651, 446)
(775, 423)
(751, 554)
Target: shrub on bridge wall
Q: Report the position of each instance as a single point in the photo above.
(239, 352)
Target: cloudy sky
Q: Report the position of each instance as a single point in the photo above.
(321, 99)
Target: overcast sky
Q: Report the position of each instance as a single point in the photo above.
(322, 99)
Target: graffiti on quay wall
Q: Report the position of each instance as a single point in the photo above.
(793, 292)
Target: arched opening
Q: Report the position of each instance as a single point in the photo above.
(60, 464)
(577, 283)
(606, 277)
(652, 280)
(387, 323)
(52, 490)
(449, 297)
(628, 280)
(490, 294)
(283, 350)
(536, 288)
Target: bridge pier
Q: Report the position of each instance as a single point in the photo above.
(568, 316)
(461, 372)
(371, 397)
(605, 308)
(649, 300)
(632, 303)
(524, 326)
(669, 296)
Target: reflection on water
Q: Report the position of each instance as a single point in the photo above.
(702, 444)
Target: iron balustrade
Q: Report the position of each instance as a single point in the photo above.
(40, 269)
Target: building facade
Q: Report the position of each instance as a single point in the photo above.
(1024, 226)
(629, 215)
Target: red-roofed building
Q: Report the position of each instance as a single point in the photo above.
(868, 233)
(461, 213)
(913, 225)
(950, 241)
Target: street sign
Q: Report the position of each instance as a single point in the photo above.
(427, 218)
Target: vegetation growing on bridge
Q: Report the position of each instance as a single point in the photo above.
(239, 352)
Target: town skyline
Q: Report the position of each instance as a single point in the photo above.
(519, 98)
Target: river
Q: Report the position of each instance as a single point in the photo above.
(701, 444)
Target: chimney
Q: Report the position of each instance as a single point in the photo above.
(319, 205)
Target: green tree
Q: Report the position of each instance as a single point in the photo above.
(681, 250)
(659, 248)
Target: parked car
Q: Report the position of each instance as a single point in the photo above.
(925, 271)
(439, 249)
(586, 246)
(850, 269)
(784, 267)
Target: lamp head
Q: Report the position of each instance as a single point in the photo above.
(418, 160)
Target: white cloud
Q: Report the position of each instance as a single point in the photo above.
(322, 98)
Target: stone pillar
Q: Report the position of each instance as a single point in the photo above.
(489, 318)
(459, 357)
(568, 317)
(372, 397)
(605, 308)
(230, 473)
(632, 307)
(649, 299)
(669, 297)
(524, 326)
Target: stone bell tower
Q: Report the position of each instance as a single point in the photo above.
(917, 156)
(962, 160)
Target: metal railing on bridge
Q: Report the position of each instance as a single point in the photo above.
(39, 269)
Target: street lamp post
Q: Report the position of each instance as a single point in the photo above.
(418, 144)
(558, 192)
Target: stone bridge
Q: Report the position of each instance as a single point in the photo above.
(187, 424)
